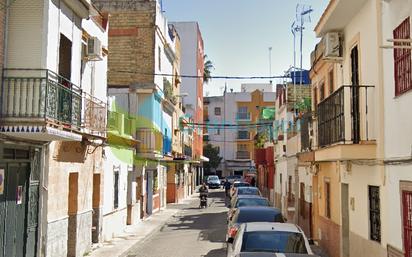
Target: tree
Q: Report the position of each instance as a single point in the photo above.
(212, 153)
(207, 71)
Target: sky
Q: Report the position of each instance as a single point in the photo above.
(237, 35)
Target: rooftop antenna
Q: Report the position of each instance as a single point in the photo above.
(270, 64)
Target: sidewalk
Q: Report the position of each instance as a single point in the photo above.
(136, 234)
(318, 251)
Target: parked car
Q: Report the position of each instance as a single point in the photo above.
(234, 178)
(213, 182)
(271, 237)
(247, 201)
(252, 214)
(237, 184)
(249, 190)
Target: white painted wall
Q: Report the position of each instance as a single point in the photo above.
(188, 33)
(114, 220)
(250, 87)
(397, 129)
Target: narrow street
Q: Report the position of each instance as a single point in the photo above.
(191, 232)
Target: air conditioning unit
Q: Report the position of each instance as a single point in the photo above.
(94, 49)
(333, 46)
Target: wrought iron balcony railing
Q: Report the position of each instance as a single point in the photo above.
(95, 113)
(243, 116)
(243, 155)
(40, 94)
(344, 116)
(151, 141)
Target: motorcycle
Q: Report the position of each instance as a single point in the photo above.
(203, 200)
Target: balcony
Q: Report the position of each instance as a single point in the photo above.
(151, 142)
(243, 135)
(243, 155)
(119, 130)
(346, 118)
(243, 116)
(120, 123)
(95, 113)
(38, 104)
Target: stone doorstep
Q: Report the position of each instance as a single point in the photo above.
(138, 233)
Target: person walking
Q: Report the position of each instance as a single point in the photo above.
(227, 185)
(253, 182)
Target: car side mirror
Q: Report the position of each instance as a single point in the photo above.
(230, 240)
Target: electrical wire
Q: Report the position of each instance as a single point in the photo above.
(211, 77)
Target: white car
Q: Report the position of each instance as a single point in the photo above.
(269, 237)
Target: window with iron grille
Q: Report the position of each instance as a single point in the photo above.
(407, 222)
(322, 92)
(374, 213)
(331, 82)
(315, 100)
(218, 111)
(116, 188)
(402, 59)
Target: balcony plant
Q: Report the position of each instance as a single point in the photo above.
(168, 92)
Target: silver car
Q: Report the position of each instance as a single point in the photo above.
(269, 237)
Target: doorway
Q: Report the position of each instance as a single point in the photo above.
(13, 204)
(96, 209)
(149, 187)
(72, 213)
(19, 194)
(355, 95)
(345, 220)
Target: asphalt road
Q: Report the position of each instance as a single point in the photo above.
(192, 232)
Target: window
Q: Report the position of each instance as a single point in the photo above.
(315, 99)
(243, 134)
(322, 92)
(374, 213)
(242, 109)
(218, 131)
(242, 147)
(407, 221)
(402, 59)
(116, 188)
(327, 199)
(331, 82)
(218, 111)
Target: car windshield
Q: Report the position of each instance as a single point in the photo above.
(273, 241)
(213, 178)
(259, 216)
(247, 191)
(234, 177)
(243, 202)
(241, 184)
